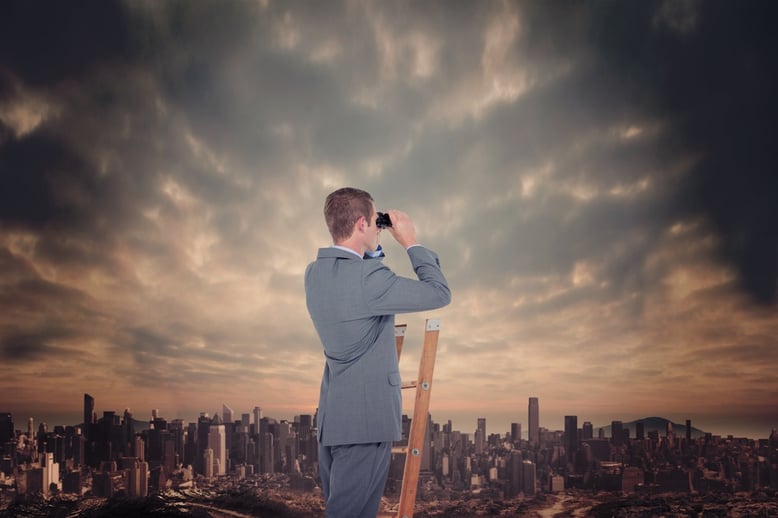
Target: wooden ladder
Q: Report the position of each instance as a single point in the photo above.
(421, 406)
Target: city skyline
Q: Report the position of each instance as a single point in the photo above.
(256, 412)
(598, 179)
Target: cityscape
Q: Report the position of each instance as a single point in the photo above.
(527, 470)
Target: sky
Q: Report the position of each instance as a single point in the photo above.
(598, 178)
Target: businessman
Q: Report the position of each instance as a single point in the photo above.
(352, 298)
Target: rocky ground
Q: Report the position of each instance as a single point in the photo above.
(287, 504)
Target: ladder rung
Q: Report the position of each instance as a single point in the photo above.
(409, 384)
(399, 449)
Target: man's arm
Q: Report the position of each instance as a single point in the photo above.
(386, 293)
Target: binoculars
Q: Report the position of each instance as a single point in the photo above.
(383, 221)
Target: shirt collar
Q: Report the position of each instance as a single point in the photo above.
(346, 249)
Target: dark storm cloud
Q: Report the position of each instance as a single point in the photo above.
(46, 42)
(710, 68)
(21, 347)
(25, 296)
(46, 185)
(701, 71)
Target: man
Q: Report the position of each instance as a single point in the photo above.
(352, 299)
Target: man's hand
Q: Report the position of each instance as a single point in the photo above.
(402, 228)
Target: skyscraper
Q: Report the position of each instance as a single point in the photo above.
(89, 409)
(528, 478)
(228, 416)
(480, 435)
(516, 432)
(571, 437)
(217, 444)
(6, 431)
(617, 433)
(534, 421)
(515, 474)
(587, 430)
(267, 462)
(203, 427)
(257, 419)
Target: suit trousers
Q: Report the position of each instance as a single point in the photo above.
(353, 477)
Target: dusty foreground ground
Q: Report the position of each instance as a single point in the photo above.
(282, 504)
(608, 505)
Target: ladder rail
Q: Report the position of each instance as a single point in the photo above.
(418, 430)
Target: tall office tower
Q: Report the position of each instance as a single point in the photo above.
(257, 419)
(267, 460)
(427, 454)
(203, 427)
(245, 421)
(50, 472)
(207, 463)
(176, 428)
(534, 421)
(89, 409)
(669, 429)
(190, 446)
(6, 431)
(217, 443)
(617, 433)
(30, 428)
(137, 479)
(587, 431)
(571, 437)
(479, 442)
(282, 460)
(515, 473)
(228, 416)
(688, 431)
(515, 432)
(138, 448)
(304, 428)
(156, 434)
(154, 413)
(129, 431)
(78, 444)
(482, 425)
(480, 436)
(169, 454)
(528, 478)
(640, 430)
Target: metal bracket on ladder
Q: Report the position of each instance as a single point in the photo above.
(423, 386)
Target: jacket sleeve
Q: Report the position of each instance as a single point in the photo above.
(386, 293)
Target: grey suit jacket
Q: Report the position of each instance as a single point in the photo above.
(352, 303)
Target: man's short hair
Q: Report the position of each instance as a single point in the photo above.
(343, 209)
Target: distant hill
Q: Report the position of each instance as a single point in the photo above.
(654, 423)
